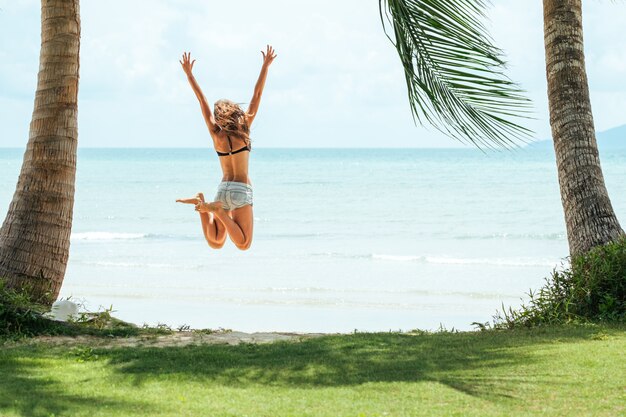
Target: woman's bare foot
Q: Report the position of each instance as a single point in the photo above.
(199, 198)
(209, 207)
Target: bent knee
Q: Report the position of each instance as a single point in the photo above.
(245, 246)
(215, 245)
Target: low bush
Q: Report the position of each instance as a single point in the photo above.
(21, 317)
(593, 288)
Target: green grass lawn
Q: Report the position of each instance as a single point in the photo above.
(563, 371)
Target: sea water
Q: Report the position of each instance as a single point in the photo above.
(344, 239)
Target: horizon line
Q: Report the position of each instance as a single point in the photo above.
(283, 147)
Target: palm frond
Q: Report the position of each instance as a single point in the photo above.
(454, 73)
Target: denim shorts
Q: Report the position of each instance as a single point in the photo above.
(234, 195)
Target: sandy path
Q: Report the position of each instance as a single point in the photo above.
(184, 338)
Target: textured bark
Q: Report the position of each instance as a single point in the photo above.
(589, 215)
(35, 236)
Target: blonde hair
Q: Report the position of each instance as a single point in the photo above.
(231, 119)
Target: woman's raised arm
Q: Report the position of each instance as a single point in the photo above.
(187, 65)
(268, 58)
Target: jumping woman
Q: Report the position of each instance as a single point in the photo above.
(229, 126)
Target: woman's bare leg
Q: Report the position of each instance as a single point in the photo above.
(239, 227)
(212, 228)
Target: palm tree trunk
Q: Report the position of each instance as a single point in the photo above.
(589, 215)
(35, 236)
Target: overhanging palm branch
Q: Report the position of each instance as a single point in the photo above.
(454, 73)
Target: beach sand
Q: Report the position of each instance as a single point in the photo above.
(175, 339)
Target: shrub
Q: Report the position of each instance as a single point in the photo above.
(21, 317)
(593, 288)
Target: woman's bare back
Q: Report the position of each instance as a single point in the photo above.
(234, 166)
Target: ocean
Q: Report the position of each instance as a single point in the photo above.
(344, 239)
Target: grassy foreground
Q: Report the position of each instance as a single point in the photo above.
(553, 371)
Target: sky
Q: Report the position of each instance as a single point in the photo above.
(337, 80)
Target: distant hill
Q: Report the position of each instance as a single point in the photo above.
(608, 140)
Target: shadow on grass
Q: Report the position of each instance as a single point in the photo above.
(25, 390)
(484, 364)
(479, 364)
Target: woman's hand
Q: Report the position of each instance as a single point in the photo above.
(268, 55)
(187, 63)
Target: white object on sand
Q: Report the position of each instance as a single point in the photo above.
(63, 310)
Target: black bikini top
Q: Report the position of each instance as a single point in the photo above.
(231, 152)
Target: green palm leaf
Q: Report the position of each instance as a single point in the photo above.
(454, 74)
